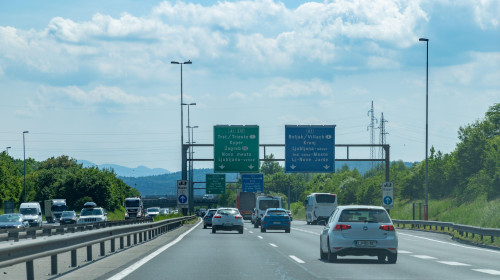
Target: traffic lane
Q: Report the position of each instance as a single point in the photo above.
(223, 255)
(441, 248)
(409, 265)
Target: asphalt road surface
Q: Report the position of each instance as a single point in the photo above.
(278, 255)
(192, 252)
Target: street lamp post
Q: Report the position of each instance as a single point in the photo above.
(426, 204)
(191, 193)
(184, 175)
(24, 161)
(7, 150)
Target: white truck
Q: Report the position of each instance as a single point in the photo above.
(319, 207)
(133, 208)
(54, 209)
(262, 203)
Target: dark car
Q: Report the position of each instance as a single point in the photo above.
(13, 221)
(68, 217)
(275, 218)
(207, 219)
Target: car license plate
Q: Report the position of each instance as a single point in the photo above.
(228, 224)
(277, 223)
(365, 243)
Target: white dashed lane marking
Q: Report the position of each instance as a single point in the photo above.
(488, 271)
(260, 237)
(454, 263)
(296, 259)
(250, 231)
(273, 245)
(424, 257)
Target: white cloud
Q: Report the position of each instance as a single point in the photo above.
(284, 88)
(237, 95)
(487, 13)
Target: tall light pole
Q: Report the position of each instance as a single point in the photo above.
(191, 173)
(426, 204)
(191, 193)
(184, 175)
(7, 150)
(24, 160)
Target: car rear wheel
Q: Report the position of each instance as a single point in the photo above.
(204, 226)
(213, 229)
(322, 255)
(262, 229)
(381, 258)
(287, 230)
(240, 231)
(392, 258)
(331, 256)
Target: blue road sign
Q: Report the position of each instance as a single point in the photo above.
(252, 182)
(388, 200)
(183, 198)
(310, 148)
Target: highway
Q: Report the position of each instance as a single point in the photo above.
(277, 255)
(192, 252)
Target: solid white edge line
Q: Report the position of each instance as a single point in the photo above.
(448, 243)
(488, 271)
(296, 259)
(138, 264)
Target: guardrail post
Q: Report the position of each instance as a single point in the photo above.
(492, 239)
(112, 245)
(135, 238)
(145, 236)
(53, 265)
(122, 243)
(89, 253)
(31, 233)
(150, 234)
(30, 271)
(140, 237)
(73, 258)
(128, 240)
(102, 249)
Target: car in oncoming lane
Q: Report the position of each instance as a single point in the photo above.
(275, 218)
(227, 219)
(207, 219)
(359, 230)
(68, 217)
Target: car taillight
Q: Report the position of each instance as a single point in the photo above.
(238, 217)
(217, 216)
(342, 227)
(387, 227)
(266, 216)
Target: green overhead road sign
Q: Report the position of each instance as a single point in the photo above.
(216, 183)
(236, 148)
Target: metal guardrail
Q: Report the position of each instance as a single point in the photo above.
(461, 229)
(34, 232)
(30, 250)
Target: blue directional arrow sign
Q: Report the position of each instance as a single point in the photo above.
(252, 182)
(388, 200)
(183, 198)
(310, 148)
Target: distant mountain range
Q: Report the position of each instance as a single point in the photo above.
(166, 184)
(122, 171)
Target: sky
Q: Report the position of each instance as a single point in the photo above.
(93, 80)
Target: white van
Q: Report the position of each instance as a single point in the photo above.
(261, 204)
(319, 207)
(32, 213)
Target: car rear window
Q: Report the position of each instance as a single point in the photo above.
(228, 212)
(325, 198)
(269, 203)
(364, 215)
(277, 213)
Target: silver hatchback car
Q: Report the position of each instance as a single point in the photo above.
(359, 230)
